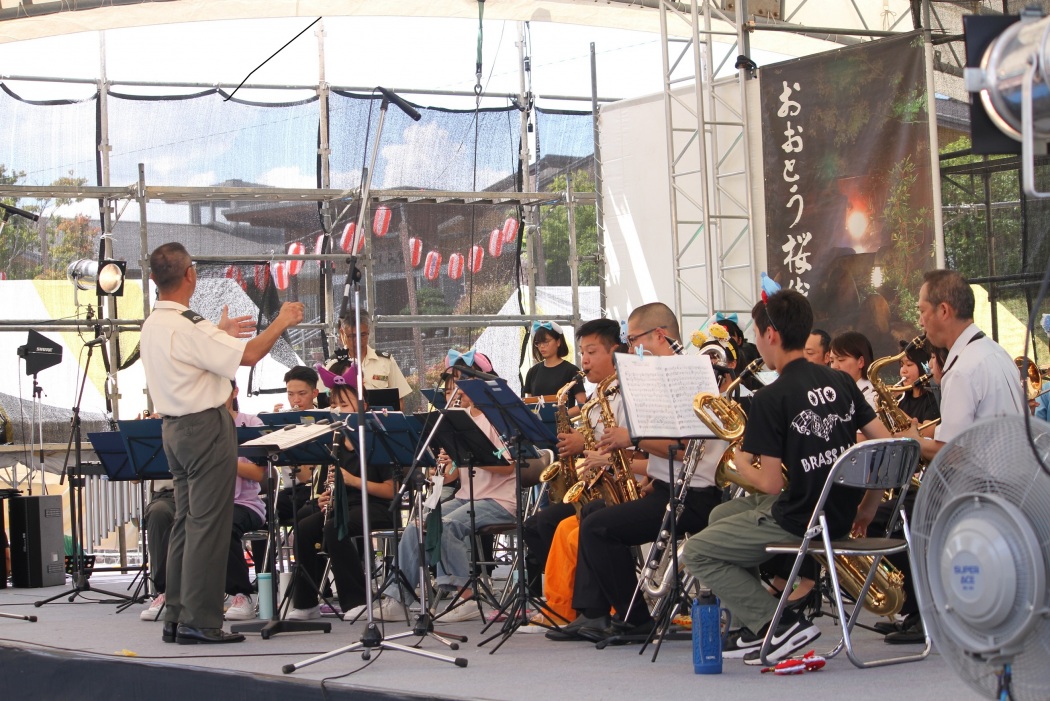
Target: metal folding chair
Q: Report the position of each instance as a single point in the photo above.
(882, 464)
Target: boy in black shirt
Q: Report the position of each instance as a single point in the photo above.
(802, 422)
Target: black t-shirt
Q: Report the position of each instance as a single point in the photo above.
(376, 473)
(807, 418)
(541, 380)
(923, 408)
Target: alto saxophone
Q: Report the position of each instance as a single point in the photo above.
(615, 485)
(560, 475)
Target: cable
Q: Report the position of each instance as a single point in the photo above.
(228, 97)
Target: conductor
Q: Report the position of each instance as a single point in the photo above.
(189, 363)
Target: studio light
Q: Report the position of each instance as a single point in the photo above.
(105, 277)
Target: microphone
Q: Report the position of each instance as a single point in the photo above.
(8, 209)
(404, 106)
(95, 342)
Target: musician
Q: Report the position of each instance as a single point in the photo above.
(300, 383)
(918, 402)
(189, 363)
(979, 380)
(851, 352)
(380, 370)
(724, 555)
(550, 534)
(494, 502)
(818, 347)
(324, 531)
(605, 572)
(551, 371)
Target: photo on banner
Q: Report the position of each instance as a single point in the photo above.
(849, 186)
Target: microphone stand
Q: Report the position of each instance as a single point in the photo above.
(372, 638)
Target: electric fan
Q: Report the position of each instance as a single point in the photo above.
(981, 533)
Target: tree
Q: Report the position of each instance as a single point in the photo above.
(19, 241)
(554, 225)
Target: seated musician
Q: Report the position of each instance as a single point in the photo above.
(551, 371)
(494, 502)
(325, 531)
(605, 570)
(780, 431)
(851, 353)
(596, 341)
(301, 387)
(249, 513)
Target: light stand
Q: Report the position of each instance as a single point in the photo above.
(372, 639)
(79, 573)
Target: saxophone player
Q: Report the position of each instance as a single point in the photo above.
(605, 572)
(803, 421)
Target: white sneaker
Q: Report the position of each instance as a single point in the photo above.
(153, 612)
(241, 609)
(387, 609)
(355, 612)
(303, 614)
(464, 611)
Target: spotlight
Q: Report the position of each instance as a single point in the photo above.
(106, 276)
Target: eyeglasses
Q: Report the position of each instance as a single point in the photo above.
(631, 340)
(543, 342)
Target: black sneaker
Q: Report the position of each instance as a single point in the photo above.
(793, 633)
(740, 642)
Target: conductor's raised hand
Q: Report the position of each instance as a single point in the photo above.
(237, 326)
(291, 313)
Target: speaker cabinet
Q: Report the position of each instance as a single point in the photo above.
(37, 541)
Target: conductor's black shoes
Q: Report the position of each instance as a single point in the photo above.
(188, 635)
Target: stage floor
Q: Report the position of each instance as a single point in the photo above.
(87, 650)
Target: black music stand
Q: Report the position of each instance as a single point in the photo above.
(521, 429)
(290, 445)
(127, 457)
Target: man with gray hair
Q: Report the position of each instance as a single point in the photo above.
(379, 369)
(189, 363)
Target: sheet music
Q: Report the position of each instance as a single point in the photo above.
(293, 435)
(658, 394)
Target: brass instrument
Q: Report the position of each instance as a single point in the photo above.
(1030, 377)
(561, 474)
(615, 485)
(891, 415)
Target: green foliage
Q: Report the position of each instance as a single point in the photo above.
(430, 300)
(903, 266)
(555, 228)
(486, 299)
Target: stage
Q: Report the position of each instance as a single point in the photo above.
(86, 650)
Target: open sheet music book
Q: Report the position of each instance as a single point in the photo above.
(658, 394)
(292, 435)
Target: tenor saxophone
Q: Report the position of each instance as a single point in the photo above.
(561, 474)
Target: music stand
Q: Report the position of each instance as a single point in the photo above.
(514, 421)
(115, 454)
(285, 446)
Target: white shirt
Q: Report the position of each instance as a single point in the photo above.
(866, 388)
(980, 381)
(703, 473)
(188, 365)
(382, 372)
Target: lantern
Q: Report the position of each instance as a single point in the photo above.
(455, 266)
(262, 277)
(433, 266)
(280, 275)
(415, 251)
(510, 230)
(234, 273)
(347, 239)
(495, 243)
(319, 246)
(296, 248)
(477, 256)
(381, 221)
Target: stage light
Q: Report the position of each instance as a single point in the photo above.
(106, 277)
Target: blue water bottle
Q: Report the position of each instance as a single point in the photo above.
(265, 595)
(707, 634)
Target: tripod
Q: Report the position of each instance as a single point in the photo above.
(80, 572)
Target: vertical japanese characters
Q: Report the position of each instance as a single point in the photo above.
(796, 257)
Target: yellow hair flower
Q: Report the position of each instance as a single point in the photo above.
(698, 338)
(718, 331)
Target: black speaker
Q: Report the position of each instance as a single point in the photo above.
(37, 542)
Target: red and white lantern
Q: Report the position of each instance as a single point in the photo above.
(455, 266)
(381, 221)
(347, 239)
(319, 246)
(234, 273)
(476, 257)
(432, 268)
(495, 243)
(3, 274)
(262, 277)
(510, 230)
(280, 275)
(415, 251)
(296, 248)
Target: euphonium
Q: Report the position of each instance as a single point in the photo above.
(561, 474)
(615, 485)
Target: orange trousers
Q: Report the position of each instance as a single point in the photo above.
(559, 575)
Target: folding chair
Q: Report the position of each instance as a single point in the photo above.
(876, 464)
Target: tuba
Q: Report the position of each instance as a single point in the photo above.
(614, 484)
(561, 474)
